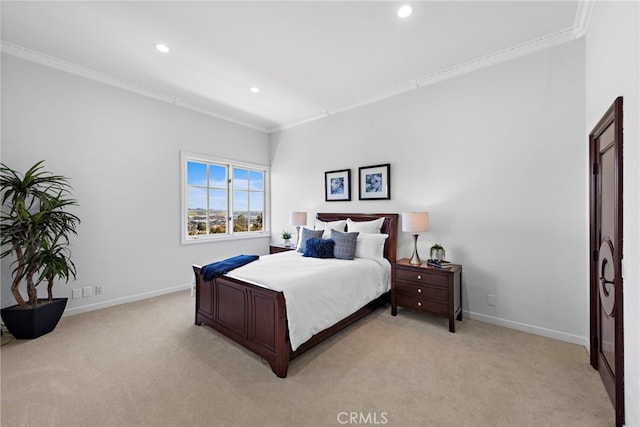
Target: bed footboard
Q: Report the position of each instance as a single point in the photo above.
(256, 317)
(250, 315)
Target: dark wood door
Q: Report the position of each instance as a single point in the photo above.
(607, 355)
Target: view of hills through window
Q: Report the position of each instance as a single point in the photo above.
(212, 200)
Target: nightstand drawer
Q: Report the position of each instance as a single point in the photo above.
(422, 305)
(422, 277)
(274, 249)
(414, 290)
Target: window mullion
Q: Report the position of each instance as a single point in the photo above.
(208, 196)
(230, 221)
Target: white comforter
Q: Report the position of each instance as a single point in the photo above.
(318, 292)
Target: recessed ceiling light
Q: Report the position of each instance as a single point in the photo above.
(254, 89)
(405, 11)
(162, 48)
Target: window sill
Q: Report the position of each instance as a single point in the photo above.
(225, 238)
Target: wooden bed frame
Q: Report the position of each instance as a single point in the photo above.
(256, 318)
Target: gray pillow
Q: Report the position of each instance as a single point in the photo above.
(345, 247)
(306, 235)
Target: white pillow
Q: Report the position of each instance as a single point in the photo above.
(365, 226)
(370, 245)
(328, 226)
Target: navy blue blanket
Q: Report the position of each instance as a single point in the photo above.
(218, 268)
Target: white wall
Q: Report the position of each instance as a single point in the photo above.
(612, 57)
(121, 151)
(499, 160)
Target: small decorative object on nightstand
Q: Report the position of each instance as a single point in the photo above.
(286, 236)
(427, 289)
(437, 252)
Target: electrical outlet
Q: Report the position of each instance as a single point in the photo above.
(86, 291)
(76, 293)
(491, 300)
(98, 289)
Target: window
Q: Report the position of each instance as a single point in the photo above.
(223, 199)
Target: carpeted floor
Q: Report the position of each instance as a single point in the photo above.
(147, 364)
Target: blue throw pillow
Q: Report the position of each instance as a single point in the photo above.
(345, 247)
(319, 248)
(306, 235)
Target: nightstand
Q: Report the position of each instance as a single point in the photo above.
(427, 289)
(274, 249)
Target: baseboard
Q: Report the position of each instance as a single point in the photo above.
(536, 330)
(124, 300)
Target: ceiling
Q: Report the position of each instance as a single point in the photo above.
(309, 59)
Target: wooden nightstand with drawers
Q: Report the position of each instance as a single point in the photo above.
(274, 249)
(427, 289)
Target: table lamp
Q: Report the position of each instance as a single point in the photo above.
(298, 219)
(415, 222)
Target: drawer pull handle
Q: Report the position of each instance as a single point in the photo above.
(419, 304)
(419, 290)
(419, 277)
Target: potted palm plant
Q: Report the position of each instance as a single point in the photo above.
(36, 227)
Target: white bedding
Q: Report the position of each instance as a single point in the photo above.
(318, 292)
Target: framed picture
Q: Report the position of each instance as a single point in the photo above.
(337, 185)
(375, 182)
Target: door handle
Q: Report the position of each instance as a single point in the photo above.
(603, 280)
(605, 290)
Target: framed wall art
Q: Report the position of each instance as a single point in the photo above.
(337, 185)
(375, 182)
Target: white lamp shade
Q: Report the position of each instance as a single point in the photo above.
(415, 222)
(298, 218)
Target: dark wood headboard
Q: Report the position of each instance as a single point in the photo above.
(389, 226)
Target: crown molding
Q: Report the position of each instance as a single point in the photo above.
(355, 103)
(579, 29)
(59, 64)
(375, 97)
(503, 55)
(583, 17)
(298, 122)
(88, 73)
(512, 52)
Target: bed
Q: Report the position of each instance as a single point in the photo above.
(255, 316)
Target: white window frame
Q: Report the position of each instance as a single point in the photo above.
(186, 239)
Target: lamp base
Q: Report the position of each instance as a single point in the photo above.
(415, 258)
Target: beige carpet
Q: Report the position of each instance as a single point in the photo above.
(147, 364)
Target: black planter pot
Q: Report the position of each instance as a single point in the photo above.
(29, 323)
